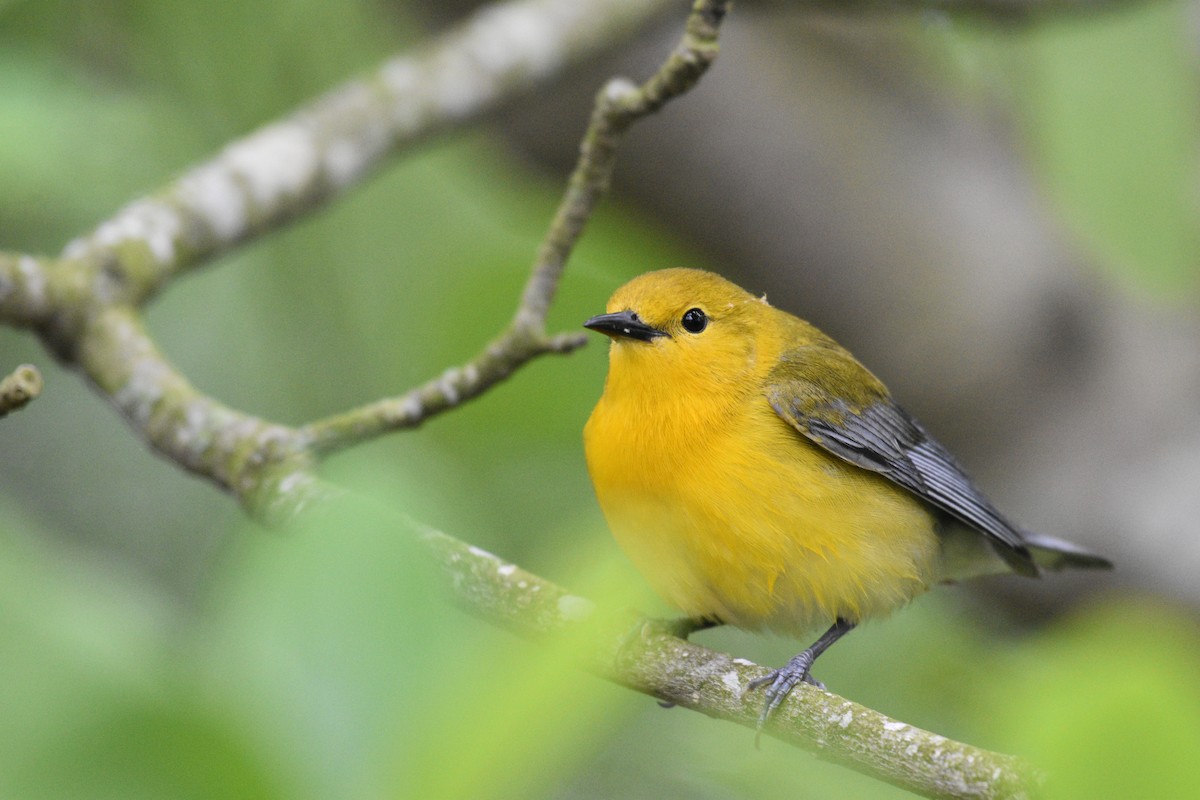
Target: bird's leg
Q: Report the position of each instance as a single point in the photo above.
(683, 627)
(784, 679)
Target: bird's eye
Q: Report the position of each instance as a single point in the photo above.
(694, 320)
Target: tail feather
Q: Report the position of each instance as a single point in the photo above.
(1059, 554)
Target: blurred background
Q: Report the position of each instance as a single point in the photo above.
(997, 214)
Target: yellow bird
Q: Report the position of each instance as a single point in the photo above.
(759, 476)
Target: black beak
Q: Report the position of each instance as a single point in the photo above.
(624, 323)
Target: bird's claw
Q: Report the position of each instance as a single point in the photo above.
(781, 682)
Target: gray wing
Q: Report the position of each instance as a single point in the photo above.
(881, 437)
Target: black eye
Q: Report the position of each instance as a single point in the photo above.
(694, 320)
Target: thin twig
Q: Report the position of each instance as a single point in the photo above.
(262, 463)
(618, 105)
(504, 355)
(85, 306)
(19, 387)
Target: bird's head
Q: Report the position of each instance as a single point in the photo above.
(682, 322)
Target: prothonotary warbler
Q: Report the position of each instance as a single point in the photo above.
(759, 476)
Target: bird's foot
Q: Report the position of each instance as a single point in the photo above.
(782, 681)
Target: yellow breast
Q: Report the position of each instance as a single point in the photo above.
(730, 513)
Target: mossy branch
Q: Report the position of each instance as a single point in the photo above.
(289, 167)
(644, 655)
(86, 306)
(619, 104)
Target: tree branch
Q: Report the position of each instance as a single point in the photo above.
(618, 105)
(85, 306)
(643, 655)
(263, 463)
(19, 387)
(24, 299)
(291, 166)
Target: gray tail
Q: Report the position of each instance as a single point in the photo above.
(1058, 554)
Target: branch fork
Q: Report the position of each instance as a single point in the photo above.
(86, 308)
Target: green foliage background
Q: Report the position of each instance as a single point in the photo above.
(153, 644)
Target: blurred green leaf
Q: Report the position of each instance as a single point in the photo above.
(89, 705)
(1107, 703)
(151, 751)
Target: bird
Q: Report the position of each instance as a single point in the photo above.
(759, 476)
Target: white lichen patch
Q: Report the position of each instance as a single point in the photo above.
(447, 385)
(347, 159)
(212, 193)
(34, 279)
(458, 87)
(192, 434)
(846, 719)
(401, 78)
(507, 569)
(731, 681)
(618, 89)
(274, 163)
(295, 482)
(744, 662)
(516, 37)
(356, 132)
(412, 407)
(150, 221)
(479, 552)
(142, 391)
(894, 726)
(406, 408)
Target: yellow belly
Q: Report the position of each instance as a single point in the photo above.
(781, 535)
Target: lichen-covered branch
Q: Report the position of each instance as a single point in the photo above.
(85, 305)
(19, 387)
(503, 356)
(289, 166)
(24, 297)
(644, 655)
(262, 463)
(619, 104)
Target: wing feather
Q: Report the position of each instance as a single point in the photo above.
(809, 391)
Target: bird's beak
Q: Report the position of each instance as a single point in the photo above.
(626, 324)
